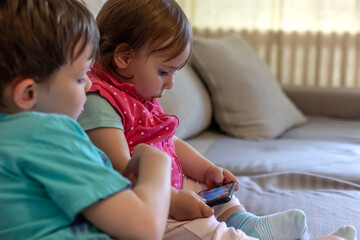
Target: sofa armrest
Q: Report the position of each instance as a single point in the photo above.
(326, 101)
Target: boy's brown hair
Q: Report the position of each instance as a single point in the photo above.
(37, 37)
(142, 22)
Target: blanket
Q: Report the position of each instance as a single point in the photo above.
(328, 202)
(314, 167)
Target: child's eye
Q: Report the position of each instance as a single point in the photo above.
(163, 73)
(80, 80)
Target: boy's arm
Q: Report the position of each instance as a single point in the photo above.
(113, 143)
(139, 213)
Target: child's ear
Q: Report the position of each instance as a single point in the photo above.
(24, 94)
(122, 56)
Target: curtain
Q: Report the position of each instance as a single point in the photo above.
(285, 15)
(304, 42)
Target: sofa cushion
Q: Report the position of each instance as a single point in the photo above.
(94, 6)
(322, 146)
(248, 100)
(190, 102)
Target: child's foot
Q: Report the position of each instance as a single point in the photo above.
(289, 225)
(347, 232)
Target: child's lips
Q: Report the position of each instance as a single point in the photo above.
(161, 94)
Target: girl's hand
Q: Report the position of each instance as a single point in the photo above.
(216, 176)
(187, 205)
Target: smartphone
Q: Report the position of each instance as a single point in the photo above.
(218, 195)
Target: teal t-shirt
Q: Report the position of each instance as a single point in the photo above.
(49, 172)
(98, 112)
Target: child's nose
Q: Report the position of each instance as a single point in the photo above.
(169, 83)
(88, 83)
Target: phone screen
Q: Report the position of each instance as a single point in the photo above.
(218, 195)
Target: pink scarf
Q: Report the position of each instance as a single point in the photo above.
(144, 121)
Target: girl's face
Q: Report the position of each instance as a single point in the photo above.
(152, 74)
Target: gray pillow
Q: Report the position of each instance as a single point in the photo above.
(190, 102)
(248, 100)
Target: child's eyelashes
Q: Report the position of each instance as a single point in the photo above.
(163, 73)
(81, 80)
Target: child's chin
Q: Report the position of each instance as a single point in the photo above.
(159, 96)
(152, 98)
(76, 115)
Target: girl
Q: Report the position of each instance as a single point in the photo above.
(143, 43)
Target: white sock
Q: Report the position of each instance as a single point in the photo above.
(347, 232)
(289, 225)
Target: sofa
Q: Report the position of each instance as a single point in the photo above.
(289, 146)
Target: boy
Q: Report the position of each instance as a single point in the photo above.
(54, 183)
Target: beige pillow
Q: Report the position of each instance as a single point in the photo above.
(190, 102)
(248, 101)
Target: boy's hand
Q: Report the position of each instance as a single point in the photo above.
(187, 205)
(216, 176)
(141, 151)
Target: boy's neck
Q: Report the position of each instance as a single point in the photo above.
(9, 107)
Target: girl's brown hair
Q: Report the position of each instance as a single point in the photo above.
(37, 37)
(137, 23)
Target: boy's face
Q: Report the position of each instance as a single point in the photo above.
(65, 92)
(153, 74)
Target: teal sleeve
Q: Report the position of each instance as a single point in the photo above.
(98, 112)
(73, 172)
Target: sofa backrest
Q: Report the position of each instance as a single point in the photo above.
(94, 5)
(189, 100)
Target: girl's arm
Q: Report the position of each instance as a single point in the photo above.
(141, 212)
(200, 168)
(113, 143)
(194, 164)
(185, 205)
